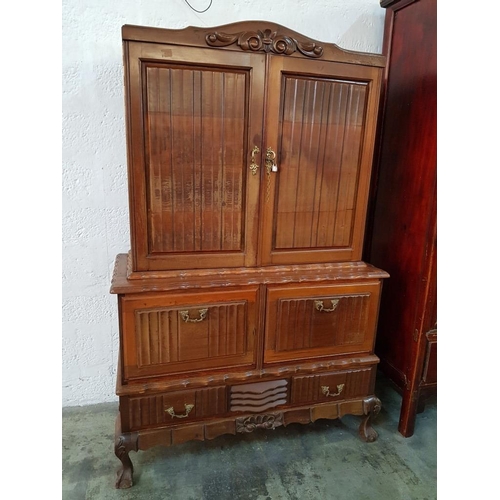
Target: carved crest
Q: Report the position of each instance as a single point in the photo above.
(249, 424)
(266, 41)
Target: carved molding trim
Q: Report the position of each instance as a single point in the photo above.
(266, 41)
(249, 424)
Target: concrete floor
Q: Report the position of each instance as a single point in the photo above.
(324, 460)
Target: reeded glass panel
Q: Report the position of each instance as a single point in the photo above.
(195, 145)
(322, 128)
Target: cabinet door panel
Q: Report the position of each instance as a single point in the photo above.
(320, 122)
(175, 333)
(192, 126)
(305, 322)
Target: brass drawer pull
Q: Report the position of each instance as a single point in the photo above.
(253, 165)
(171, 411)
(320, 307)
(325, 389)
(187, 319)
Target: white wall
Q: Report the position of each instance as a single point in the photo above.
(94, 202)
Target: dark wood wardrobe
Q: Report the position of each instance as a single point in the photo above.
(401, 236)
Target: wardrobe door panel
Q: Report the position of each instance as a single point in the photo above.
(318, 127)
(193, 121)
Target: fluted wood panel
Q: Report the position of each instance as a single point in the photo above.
(151, 410)
(309, 388)
(260, 396)
(300, 325)
(195, 145)
(322, 129)
(164, 336)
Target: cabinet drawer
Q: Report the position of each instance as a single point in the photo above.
(309, 322)
(172, 408)
(333, 386)
(174, 333)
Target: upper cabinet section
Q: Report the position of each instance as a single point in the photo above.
(248, 145)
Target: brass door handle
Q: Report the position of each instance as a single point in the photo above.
(325, 389)
(253, 165)
(318, 304)
(171, 411)
(187, 319)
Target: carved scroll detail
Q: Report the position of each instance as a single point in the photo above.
(266, 41)
(249, 424)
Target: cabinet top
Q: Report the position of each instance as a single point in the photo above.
(224, 277)
(254, 36)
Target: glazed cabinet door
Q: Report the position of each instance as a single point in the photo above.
(194, 116)
(312, 322)
(320, 128)
(174, 333)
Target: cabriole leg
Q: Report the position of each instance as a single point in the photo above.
(124, 443)
(372, 407)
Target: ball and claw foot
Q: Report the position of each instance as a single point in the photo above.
(366, 432)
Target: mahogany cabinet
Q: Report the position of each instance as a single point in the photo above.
(402, 237)
(244, 303)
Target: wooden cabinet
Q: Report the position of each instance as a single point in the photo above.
(243, 302)
(402, 237)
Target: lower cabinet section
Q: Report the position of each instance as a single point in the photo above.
(250, 350)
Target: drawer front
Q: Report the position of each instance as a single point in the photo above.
(310, 322)
(333, 386)
(143, 412)
(175, 333)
